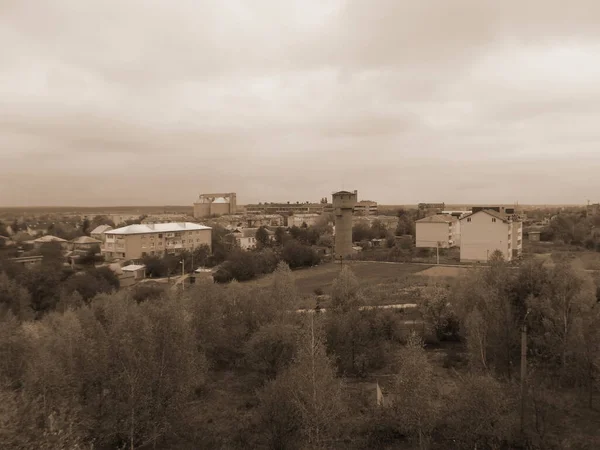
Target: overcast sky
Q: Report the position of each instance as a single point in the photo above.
(147, 102)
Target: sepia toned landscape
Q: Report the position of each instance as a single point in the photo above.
(299, 225)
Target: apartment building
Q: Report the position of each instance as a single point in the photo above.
(365, 208)
(439, 230)
(137, 241)
(485, 231)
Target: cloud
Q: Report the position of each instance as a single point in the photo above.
(152, 101)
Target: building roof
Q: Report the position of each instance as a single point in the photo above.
(158, 228)
(220, 200)
(438, 218)
(343, 193)
(101, 229)
(367, 203)
(85, 240)
(49, 238)
(490, 212)
(133, 267)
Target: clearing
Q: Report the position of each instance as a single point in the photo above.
(367, 272)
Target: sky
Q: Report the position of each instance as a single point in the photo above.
(152, 102)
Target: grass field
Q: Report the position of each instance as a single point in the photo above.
(368, 273)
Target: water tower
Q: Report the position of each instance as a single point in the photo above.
(343, 208)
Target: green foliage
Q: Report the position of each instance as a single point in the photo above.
(262, 237)
(297, 255)
(345, 292)
(436, 310)
(14, 298)
(272, 348)
(416, 407)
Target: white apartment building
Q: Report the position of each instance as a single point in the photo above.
(441, 230)
(484, 232)
(137, 241)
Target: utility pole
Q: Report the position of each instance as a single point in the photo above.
(523, 369)
(182, 274)
(437, 251)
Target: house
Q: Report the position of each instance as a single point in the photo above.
(85, 243)
(246, 237)
(98, 232)
(485, 231)
(299, 220)
(139, 240)
(534, 235)
(37, 243)
(439, 230)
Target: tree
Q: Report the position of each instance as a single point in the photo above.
(362, 232)
(272, 348)
(479, 413)
(155, 266)
(280, 236)
(299, 255)
(416, 405)
(14, 298)
(262, 237)
(85, 226)
(52, 254)
(556, 314)
(314, 388)
(43, 284)
(435, 309)
(345, 292)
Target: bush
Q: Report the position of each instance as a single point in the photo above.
(298, 255)
(222, 276)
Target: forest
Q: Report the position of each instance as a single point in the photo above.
(231, 366)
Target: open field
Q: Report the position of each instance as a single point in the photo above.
(322, 276)
(443, 271)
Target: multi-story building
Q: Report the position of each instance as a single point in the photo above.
(249, 220)
(137, 241)
(289, 208)
(485, 231)
(365, 208)
(439, 230)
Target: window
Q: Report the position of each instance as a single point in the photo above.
(143, 254)
(160, 236)
(468, 219)
(493, 220)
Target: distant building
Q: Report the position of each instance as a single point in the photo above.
(441, 230)
(485, 231)
(534, 235)
(98, 232)
(287, 209)
(365, 208)
(593, 209)
(249, 220)
(37, 243)
(246, 237)
(84, 243)
(389, 222)
(299, 220)
(167, 218)
(137, 241)
(215, 205)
